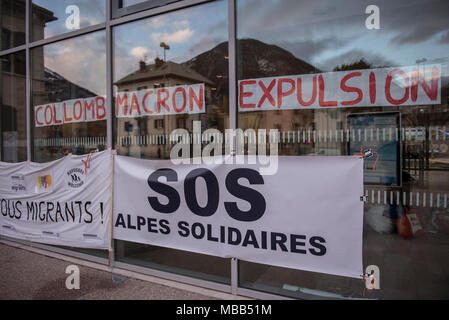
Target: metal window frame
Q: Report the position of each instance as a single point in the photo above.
(62, 251)
(116, 16)
(174, 277)
(118, 10)
(156, 11)
(28, 76)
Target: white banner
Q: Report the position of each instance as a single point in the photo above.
(64, 202)
(70, 111)
(307, 216)
(149, 102)
(161, 101)
(416, 85)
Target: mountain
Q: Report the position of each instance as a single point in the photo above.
(211, 64)
(255, 59)
(59, 88)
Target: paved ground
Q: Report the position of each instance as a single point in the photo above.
(29, 275)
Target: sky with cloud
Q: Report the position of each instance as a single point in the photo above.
(81, 60)
(91, 12)
(327, 33)
(189, 32)
(324, 33)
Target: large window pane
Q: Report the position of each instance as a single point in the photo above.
(69, 79)
(175, 261)
(127, 3)
(13, 108)
(68, 96)
(130, 6)
(50, 18)
(303, 39)
(12, 22)
(183, 50)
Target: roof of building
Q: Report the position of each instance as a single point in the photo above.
(46, 15)
(166, 69)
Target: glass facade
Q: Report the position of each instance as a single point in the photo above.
(171, 51)
(13, 108)
(323, 37)
(71, 70)
(52, 18)
(74, 54)
(12, 22)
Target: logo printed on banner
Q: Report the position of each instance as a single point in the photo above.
(75, 178)
(44, 182)
(18, 183)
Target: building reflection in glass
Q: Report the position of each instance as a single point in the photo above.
(62, 71)
(182, 48)
(326, 36)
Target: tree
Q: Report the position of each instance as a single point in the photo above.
(358, 65)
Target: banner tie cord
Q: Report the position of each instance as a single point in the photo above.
(366, 154)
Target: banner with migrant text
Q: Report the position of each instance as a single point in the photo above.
(308, 215)
(63, 202)
(415, 85)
